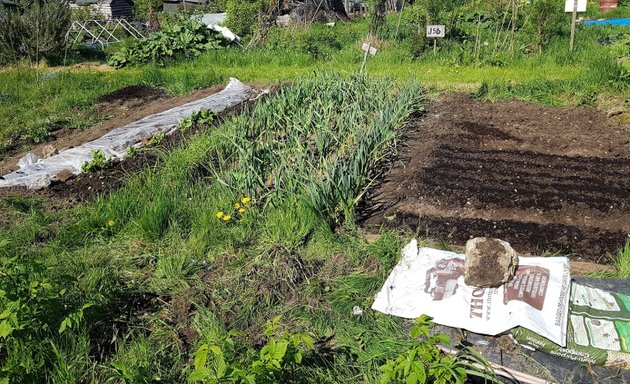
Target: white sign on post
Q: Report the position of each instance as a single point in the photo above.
(367, 46)
(581, 5)
(436, 31)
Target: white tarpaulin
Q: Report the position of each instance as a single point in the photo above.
(429, 281)
(40, 172)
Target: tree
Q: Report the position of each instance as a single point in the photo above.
(546, 18)
(144, 8)
(34, 30)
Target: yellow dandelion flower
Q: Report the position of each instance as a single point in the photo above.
(227, 218)
(242, 210)
(111, 223)
(246, 200)
(219, 215)
(237, 206)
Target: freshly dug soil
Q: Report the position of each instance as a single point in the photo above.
(142, 92)
(544, 179)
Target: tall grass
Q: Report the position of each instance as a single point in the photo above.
(34, 102)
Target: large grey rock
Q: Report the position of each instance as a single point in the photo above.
(489, 262)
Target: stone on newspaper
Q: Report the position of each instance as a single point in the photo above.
(489, 262)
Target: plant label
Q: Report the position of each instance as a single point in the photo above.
(581, 5)
(371, 47)
(436, 30)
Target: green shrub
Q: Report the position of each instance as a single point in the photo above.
(243, 16)
(181, 38)
(317, 41)
(34, 30)
(142, 8)
(418, 44)
(545, 19)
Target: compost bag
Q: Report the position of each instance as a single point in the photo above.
(429, 281)
(598, 329)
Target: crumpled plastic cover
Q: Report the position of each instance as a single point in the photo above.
(41, 173)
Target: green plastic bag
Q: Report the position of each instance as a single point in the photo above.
(598, 329)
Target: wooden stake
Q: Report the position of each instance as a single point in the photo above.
(402, 8)
(367, 52)
(504, 371)
(573, 19)
(434, 45)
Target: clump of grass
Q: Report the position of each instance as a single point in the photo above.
(622, 262)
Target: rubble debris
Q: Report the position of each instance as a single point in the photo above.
(48, 151)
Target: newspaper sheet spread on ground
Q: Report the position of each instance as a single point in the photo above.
(598, 329)
(429, 281)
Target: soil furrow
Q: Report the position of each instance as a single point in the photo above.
(534, 176)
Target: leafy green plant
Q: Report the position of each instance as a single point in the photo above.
(99, 161)
(276, 362)
(156, 139)
(181, 38)
(34, 310)
(202, 117)
(131, 151)
(425, 363)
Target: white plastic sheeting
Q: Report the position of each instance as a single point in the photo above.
(214, 21)
(38, 173)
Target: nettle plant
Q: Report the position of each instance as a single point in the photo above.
(424, 362)
(277, 361)
(34, 310)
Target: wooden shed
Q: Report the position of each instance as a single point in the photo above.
(111, 9)
(176, 5)
(8, 4)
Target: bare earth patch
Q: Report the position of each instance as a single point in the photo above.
(544, 179)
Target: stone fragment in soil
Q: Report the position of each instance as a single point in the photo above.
(64, 175)
(489, 262)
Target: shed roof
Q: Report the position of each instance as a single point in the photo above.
(90, 2)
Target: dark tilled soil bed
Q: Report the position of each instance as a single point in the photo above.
(544, 179)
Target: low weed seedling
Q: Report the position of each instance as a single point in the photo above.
(99, 161)
(156, 139)
(202, 117)
(131, 151)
